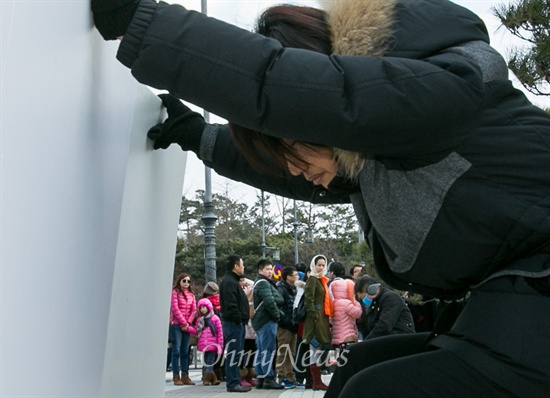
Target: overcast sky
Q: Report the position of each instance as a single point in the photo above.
(243, 13)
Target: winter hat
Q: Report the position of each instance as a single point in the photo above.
(211, 288)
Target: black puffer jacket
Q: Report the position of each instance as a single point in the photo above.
(452, 153)
(289, 294)
(233, 301)
(388, 314)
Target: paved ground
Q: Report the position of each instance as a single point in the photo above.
(200, 391)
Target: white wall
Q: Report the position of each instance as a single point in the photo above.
(88, 213)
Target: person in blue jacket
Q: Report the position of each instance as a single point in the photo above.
(402, 108)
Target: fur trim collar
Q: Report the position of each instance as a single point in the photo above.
(358, 27)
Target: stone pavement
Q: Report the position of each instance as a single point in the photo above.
(200, 391)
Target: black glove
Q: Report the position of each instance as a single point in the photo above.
(112, 17)
(183, 126)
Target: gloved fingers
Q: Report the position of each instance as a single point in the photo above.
(155, 134)
(173, 105)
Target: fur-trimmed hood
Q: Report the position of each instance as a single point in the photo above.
(369, 27)
(358, 27)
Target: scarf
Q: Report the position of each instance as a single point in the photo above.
(328, 304)
(206, 321)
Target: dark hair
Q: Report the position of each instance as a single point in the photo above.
(352, 269)
(177, 281)
(287, 271)
(362, 283)
(317, 258)
(295, 27)
(231, 261)
(262, 264)
(337, 268)
(302, 267)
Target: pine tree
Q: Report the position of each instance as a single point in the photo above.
(529, 20)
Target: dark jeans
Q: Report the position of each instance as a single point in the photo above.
(209, 359)
(180, 350)
(266, 345)
(233, 335)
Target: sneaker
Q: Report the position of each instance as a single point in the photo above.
(270, 384)
(238, 388)
(298, 384)
(286, 384)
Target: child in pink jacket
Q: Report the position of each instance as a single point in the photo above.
(346, 311)
(208, 329)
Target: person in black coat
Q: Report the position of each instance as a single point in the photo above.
(402, 108)
(235, 314)
(387, 313)
(287, 329)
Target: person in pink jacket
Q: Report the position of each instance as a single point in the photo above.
(209, 332)
(346, 311)
(182, 314)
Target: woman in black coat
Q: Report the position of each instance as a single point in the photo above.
(403, 109)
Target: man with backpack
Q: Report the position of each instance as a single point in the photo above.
(267, 313)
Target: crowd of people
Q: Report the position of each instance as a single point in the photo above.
(250, 327)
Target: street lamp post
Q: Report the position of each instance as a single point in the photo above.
(276, 251)
(209, 218)
(295, 224)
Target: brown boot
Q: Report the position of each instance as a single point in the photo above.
(186, 380)
(316, 376)
(177, 380)
(206, 379)
(214, 379)
(219, 374)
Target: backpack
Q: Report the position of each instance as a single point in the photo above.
(299, 312)
(251, 310)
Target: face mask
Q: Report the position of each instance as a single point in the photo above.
(367, 301)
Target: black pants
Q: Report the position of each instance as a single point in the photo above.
(404, 366)
(499, 347)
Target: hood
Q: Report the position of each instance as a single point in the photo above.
(207, 303)
(424, 28)
(312, 266)
(360, 27)
(299, 284)
(343, 289)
